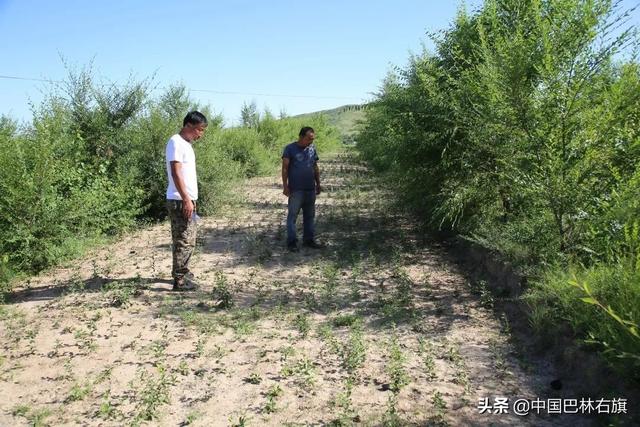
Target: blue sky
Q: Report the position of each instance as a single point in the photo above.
(323, 53)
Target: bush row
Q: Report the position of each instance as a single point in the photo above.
(91, 164)
(522, 131)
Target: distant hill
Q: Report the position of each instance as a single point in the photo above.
(345, 118)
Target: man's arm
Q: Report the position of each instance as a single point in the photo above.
(285, 176)
(176, 174)
(316, 175)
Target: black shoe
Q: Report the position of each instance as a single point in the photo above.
(293, 247)
(184, 284)
(312, 244)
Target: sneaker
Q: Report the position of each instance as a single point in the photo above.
(293, 247)
(312, 244)
(184, 284)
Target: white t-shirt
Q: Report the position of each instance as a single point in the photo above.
(179, 150)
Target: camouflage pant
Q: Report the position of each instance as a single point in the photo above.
(183, 236)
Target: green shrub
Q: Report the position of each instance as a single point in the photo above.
(603, 317)
(521, 132)
(91, 165)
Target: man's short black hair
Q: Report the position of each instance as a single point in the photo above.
(304, 131)
(194, 118)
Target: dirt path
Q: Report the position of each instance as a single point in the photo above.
(373, 329)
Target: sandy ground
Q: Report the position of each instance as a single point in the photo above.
(376, 328)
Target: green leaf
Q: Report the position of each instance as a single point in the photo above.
(614, 315)
(590, 300)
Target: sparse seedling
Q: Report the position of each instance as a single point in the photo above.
(440, 407)
(461, 376)
(286, 352)
(120, 294)
(192, 417)
(242, 421)
(85, 340)
(183, 368)
(107, 410)
(395, 366)
(36, 417)
(274, 392)
(254, 378)
(344, 402)
(330, 285)
(153, 393)
(345, 320)
(78, 392)
(427, 353)
(303, 370)
(222, 291)
(398, 378)
(302, 324)
(21, 410)
(200, 345)
(353, 353)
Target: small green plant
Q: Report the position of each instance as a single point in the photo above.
(183, 368)
(119, 294)
(330, 283)
(243, 421)
(404, 286)
(85, 340)
(272, 394)
(304, 371)
(345, 320)
(78, 392)
(302, 324)
(286, 352)
(200, 346)
(253, 378)
(499, 360)
(440, 407)
(107, 410)
(152, 393)
(36, 417)
(353, 352)
(390, 417)
(461, 376)
(344, 402)
(398, 378)
(192, 417)
(354, 285)
(222, 291)
(158, 348)
(427, 352)
(259, 246)
(21, 410)
(395, 367)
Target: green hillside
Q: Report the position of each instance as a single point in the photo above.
(346, 118)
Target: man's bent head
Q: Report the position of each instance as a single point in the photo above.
(193, 125)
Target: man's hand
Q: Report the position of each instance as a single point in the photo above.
(318, 189)
(285, 176)
(187, 209)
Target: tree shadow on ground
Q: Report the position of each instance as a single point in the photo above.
(88, 286)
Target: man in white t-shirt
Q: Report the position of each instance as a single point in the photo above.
(182, 193)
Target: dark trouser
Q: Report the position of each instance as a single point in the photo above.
(183, 237)
(305, 200)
